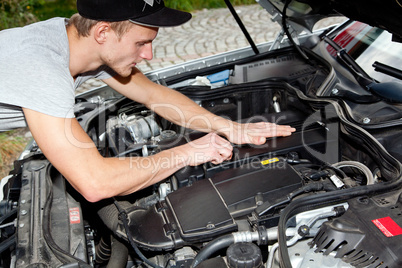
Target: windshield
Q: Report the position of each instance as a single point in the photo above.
(367, 45)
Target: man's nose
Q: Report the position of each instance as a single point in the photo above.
(146, 52)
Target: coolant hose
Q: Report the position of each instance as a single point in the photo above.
(212, 247)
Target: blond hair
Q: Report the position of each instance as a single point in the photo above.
(84, 25)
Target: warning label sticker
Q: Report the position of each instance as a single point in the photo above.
(75, 215)
(388, 226)
(269, 161)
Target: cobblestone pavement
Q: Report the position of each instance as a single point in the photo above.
(209, 32)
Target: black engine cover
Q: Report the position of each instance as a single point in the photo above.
(212, 206)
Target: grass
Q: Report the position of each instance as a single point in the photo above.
(12, 144)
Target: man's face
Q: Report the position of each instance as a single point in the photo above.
(134, 46)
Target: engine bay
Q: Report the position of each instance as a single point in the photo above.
(304, 193)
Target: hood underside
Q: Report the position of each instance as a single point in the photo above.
(382, 14)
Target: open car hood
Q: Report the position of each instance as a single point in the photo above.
(382, 14)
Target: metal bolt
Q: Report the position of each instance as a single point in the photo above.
(226, 100)
(366, 120)
(259, 200)
(21, 225)
(335, 91)
(210, 226)
(23, 201)
(23, 212)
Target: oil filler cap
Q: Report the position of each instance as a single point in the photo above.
(244, 255)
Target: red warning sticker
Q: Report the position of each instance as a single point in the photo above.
(388, 226)
(75, 215)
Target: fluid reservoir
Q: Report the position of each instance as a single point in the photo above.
(244, 255)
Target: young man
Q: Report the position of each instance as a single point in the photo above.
(43, 63)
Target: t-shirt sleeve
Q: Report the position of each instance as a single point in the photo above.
(39, 84)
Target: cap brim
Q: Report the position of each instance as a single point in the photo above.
(166, 17)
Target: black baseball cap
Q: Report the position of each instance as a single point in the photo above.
(144, 12)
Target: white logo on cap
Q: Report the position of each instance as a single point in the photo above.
(150, 2)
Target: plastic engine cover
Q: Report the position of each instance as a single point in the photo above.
(211, 206)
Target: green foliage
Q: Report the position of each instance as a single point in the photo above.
(191, 5)
(55, 8)
(14, 13)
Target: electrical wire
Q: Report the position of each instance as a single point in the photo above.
(124, 218)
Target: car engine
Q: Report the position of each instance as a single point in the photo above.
(326, 196)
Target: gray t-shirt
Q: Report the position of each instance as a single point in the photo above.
(34, 72)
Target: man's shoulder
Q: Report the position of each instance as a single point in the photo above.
(49, 33)
(53, 24)
(44, 42)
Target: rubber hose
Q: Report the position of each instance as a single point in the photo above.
(124, 218)
(103, 250)
(119, 255)
(212, 247)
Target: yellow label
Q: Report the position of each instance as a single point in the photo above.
(269, 161)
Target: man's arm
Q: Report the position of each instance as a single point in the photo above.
(179, 109)
(72, 152)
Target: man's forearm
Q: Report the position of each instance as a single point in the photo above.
(117, 176)
(122, 176)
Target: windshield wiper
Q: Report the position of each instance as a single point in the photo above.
(386, 69)
(391, 91)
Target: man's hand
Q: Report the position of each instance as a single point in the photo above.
(256, 133)
(209, 148)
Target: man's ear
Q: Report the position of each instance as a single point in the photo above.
(101, 32)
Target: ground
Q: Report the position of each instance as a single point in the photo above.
(12, 143)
